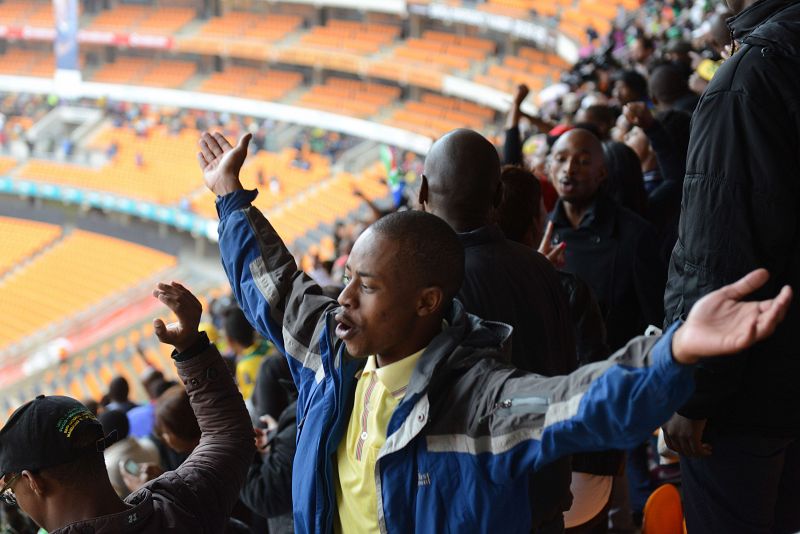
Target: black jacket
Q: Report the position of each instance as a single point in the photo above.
(267, 490)
(508, 282)
(616, 253)
(741, 203)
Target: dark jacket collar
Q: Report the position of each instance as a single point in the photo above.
(491, 233)
(746, 22)
(600, 217)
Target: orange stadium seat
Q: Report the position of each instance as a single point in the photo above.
(79, 272)
(435, 115)
(249, 82)
(23, 238)
(162, 178)
(350, 97)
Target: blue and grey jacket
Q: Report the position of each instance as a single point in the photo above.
(469, 431)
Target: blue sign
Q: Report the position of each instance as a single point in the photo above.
(66, 42)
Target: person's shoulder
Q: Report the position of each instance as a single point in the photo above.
(632, 224)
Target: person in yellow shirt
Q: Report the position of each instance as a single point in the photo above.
(248, 348)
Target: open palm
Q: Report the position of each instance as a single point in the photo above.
(721, 323)
(221, 162)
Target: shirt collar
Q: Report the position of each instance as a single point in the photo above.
(395, 376)
(599, 216)
(485, 234)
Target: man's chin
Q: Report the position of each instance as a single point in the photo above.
(356, 351)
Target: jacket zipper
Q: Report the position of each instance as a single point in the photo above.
(520, 405)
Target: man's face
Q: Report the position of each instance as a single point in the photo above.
(576, 168)
(378, 303)
(639, 52)
(622, 92)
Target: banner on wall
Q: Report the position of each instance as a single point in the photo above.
(66, 40)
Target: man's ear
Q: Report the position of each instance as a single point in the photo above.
(430, 301)
(498, 195)
(36, 483)
(423, 193)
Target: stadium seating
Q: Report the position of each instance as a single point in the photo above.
(22, 12)
(350, 97)
(435, 115)
(134, 70)
(27, 62)
(246, 82)
(168, 172)
(75, 274)
(142, 19)
(530, 66)
(240, 34)
(21, 239)
(357, 37)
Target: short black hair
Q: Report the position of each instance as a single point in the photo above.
(174, 413)
(238, 328)
(88, 468)
(430, 250)
(624, 182)
(118, 389)
(635, 81)
(520, 202)
(115, 420)
(668, 83)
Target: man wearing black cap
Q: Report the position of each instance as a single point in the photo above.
(51, 450)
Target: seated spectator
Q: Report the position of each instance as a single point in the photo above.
(273, 388)
(630, 86)
(51, 459)
(249, 351)
(601, 118)
(118, 391)
(123, 449)
(176, 423)
(142, 419)
(423, 374)
(669, 89)
(614, 250)
(625, 181)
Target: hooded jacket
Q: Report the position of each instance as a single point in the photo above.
(469, 431)
(199, 495)
(741, 209)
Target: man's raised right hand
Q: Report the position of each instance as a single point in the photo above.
(221, 162)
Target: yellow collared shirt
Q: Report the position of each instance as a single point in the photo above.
(378, 393)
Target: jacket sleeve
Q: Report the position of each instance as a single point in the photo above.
(649, 276)
(739, 212)
(207, 483)
(280, 301)
(613, 404)
(268, 488)
(512, 147)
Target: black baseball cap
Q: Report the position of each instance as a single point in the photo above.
(46, 432)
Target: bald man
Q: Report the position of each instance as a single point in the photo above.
(504, 281)
(613, 249)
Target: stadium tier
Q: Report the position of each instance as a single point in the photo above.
(21, 240)
(72, 275)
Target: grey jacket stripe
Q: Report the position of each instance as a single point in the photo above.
(263, 280)
(264, 283)
(478, 445)
(561, 411)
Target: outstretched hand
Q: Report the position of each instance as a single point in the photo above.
(221, 162)
(554, 253)
(721, 323)
(183, 333)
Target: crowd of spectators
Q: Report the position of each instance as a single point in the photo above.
(464, 360)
